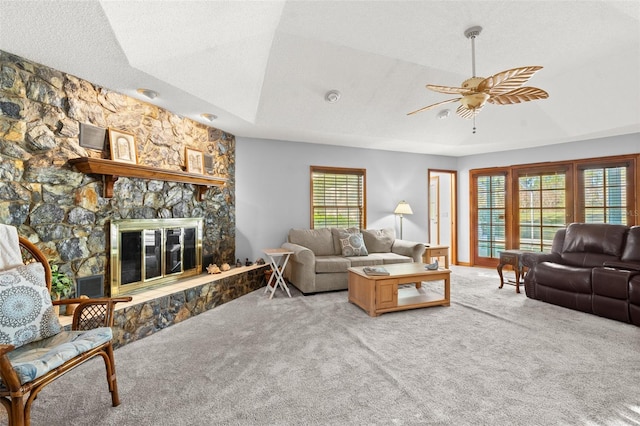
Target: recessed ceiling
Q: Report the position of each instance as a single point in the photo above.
(264, 67)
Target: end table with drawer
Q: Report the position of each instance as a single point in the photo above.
(436, 251)
(513, 258)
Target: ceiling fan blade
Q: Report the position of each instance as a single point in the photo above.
(468, 113)
(447, 89)
(522, 94)
(508, 80)
(434, 105)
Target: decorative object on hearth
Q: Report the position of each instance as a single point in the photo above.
(194, 161)
(123, 146)
(71, 307)
(225, 267)
(247, 262)
(61, 285)
(260, 261)
(238, 263)
(504, 88)
(432, 266)
(213, 269)
(401, 209)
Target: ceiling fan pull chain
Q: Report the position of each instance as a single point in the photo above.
(474, 124)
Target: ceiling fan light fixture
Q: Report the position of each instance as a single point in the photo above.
(151, 94)
(332, 96)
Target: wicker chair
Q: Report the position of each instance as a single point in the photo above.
(27, 369)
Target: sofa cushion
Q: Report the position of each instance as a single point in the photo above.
(599, 238)
(26, 312)
(389, 258)
(319, 241)
(352, 244)
(370, 260)
(631, 251)
(379, 240)
(331, 264)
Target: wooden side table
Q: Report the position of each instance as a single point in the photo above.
(436, 251)
(513, 258)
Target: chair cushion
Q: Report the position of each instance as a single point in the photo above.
(26, 312)
(352, 244)
(379, 240)
(37, 358)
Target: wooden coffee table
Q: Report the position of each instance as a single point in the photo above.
(378, 294)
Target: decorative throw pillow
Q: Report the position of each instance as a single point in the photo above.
(352, 244)
(26, 312)
(379, 240)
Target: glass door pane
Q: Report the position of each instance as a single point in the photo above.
(491, 213)
(541, 209)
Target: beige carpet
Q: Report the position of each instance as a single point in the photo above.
(493, 357)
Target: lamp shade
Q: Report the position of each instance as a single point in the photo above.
(403, 208)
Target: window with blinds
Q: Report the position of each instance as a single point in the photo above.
(337, 197)
(604, 194)
(490, 192)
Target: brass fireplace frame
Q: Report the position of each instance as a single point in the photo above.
(133, 225)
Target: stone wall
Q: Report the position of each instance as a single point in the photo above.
(62, 210)
(143, 319)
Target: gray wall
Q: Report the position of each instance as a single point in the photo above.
(272, 189)
(272, 184)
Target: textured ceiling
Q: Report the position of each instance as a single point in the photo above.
(264, 66)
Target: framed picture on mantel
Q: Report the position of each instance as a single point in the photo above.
(194, 161)
(123, 146)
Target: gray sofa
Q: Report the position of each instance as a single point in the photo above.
(321, 257)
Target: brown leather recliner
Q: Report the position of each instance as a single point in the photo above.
(592, 268)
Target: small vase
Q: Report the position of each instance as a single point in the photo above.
(56, 308)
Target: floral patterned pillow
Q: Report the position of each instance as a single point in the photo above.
(352, 244)
(26, 312)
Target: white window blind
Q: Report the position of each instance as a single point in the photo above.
(337, 197)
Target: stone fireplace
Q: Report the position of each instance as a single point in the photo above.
(148, 253)
(68, 211)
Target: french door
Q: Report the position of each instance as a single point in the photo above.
(522, 207)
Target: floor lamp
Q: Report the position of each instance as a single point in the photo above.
(402, 208)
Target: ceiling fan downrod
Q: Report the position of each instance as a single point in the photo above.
(472, 33)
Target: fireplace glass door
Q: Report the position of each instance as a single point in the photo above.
(152, 252)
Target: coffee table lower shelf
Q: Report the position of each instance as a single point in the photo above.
(387, 293)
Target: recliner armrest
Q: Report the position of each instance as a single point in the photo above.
(626, 266)
(531, 259)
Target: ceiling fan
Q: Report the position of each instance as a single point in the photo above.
(503, 88)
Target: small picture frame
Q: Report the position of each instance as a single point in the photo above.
(208, 164)
(123, 146)
(194, 161)
(92, 137)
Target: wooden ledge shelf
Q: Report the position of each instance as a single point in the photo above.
(112, 170)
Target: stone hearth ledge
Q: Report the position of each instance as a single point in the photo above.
(154, 309)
